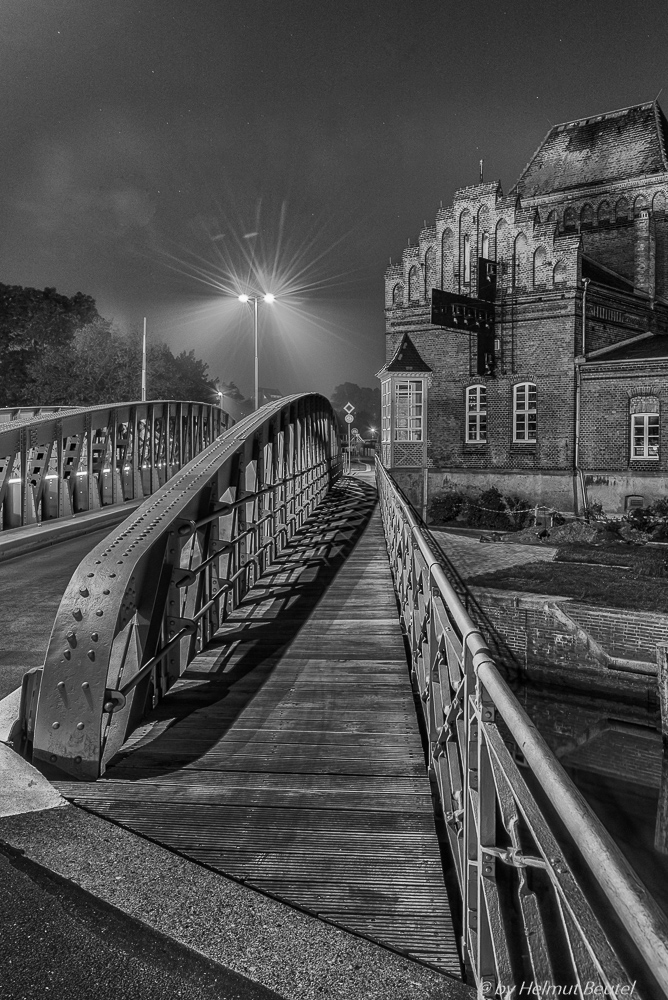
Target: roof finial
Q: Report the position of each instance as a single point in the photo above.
(481, 171)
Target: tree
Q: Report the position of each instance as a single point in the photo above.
(366, 402)
(99, 365)
(31, 321)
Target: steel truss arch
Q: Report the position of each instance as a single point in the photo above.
(150, 596)
(57, 462)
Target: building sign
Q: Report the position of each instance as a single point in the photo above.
(461, 312)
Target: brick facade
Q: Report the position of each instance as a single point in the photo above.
(583, 229)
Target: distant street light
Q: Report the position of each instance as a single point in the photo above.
(269, 298)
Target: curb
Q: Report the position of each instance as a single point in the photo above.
(19, 541)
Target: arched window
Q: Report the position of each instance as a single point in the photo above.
(570, 219)
(484, 245)
(501, 236)
(519, 260)
(622, 210)
(604, 213)
(398, 294)
(586, 217)
(447, 259)
(524, 412)
(476, 414)
(659, 203)
(430, 272)
(413, 285)
(640, 205)
(552, 217)
(559, 275)
(539, 267)
(466, 259)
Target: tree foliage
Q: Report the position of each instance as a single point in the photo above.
(366, 402)
(32, 321)
(99, 365)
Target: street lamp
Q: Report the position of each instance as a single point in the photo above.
(253, 298)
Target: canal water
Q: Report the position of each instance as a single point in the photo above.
(612, 748)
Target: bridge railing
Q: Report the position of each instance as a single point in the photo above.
(151, 595)
(60, 462)
(527, 914)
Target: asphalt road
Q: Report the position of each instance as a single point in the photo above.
(59, 942)
(30, 590)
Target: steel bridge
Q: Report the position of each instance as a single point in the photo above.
(264, 666)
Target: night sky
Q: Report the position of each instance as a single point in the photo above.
(164, 156)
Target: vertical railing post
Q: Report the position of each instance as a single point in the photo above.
(470, 791)
(486, 827)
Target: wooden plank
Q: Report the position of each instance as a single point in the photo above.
(289, 755)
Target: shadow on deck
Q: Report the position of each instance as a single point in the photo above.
(289, 757)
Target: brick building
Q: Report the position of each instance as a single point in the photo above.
(527, 334)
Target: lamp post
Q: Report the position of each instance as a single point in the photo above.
(254, 298)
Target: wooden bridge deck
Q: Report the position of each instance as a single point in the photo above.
(289, 757)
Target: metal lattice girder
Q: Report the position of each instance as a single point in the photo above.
(478, 781)
(61, 462)
(148, 597)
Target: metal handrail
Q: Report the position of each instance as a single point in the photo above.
(152, 594)
(462, 693)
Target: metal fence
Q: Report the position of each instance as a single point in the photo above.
(548, 899)
(150, 596)
(59, 463)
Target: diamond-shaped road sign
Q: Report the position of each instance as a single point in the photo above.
(349, 407)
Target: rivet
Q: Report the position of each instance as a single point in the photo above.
(106, 591)
(91, 654)
(120, 562)
(67, 654)
(91, 574)
(99, 613)
(94, 636)
(80, 725)
(55, 725)
(60, 685)
(83, 591)
(77, 760)
(53, 758)
(77, 614)
(71, 638)
(97, 563)
(85, 685)
(112, 574)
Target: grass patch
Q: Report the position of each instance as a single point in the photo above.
(641, 561)
(602, 585)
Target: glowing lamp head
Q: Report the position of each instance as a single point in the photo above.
(244, 298)
(269, 297)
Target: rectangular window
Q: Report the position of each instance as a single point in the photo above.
(386, 414)
(408, 411)
(524, 415)
(476, 414)
(645, 435)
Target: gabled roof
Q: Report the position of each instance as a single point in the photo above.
(599, 150)
(407, 358)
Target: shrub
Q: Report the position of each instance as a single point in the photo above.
(660, 508)
(445, 507)
(521, 512)
(489, 511)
